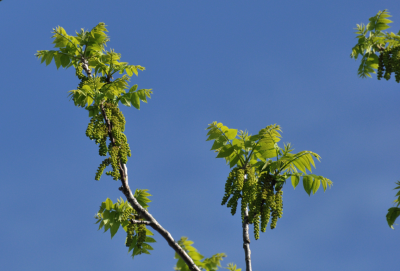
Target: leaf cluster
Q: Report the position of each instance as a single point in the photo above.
(394, 212)
(87, 50)
(206, 264)
(262, 152)
(109, 125)
(373, 40)
(113, 215)
(261, 168)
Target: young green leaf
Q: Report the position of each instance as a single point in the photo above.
(295, 180)
(225, 151)
(392, 215)
(231, 133)
(133, 88)
(135, 100)
(307, 183)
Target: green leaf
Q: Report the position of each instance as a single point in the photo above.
(43, 55)
(295, 180)
(195, 256)
(141, 196)
(108, 204)
(234, 161)
(135, 100)
(219, 142)
(225, 151)
(269, 153)
(142, 95)
(150, 239)
(57, 60)
(231, 133)
(307, 183)
(214, 133)
(385, 21)
(315, 185)
(381, 27)
(324, 183)
(49, 57)
(114, 228)
(129, 71)
(89, 100)
(124, 100)
(392, 215)
(64, 60)
(133, 88)
(134, 70)
(86, 88)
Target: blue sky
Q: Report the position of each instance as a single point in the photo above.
(247, 64)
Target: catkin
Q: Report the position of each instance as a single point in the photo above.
(118, 149)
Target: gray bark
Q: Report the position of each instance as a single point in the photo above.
(246, 240)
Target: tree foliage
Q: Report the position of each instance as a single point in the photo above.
(100, 91)
(260, 169)
(372, 40)
(206, 264)
(112, 216)
(394, 212)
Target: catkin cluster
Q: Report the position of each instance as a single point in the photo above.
(97, 130)
(258, 194)
(268, 204)
(130, 232)
(140, 231)
(81, 76)
(118, 148)
(128, 213)
(101, 168)
(134, 229)
(118, 127)
(240, 183)
(389, 62)
(141, 234)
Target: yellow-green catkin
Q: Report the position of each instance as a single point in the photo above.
(265, 216)
(101, 168)
(388, 63)
(243, 206)
(239, 180)
(256, 222)
(249, 185)
(229, 186)
(274, 220)
(114, 163)
(251, 178)
(279, 203)
(127, 214)
(118, 148)
(129, 234)
(141, 233)
(81, 76)
(232, 203)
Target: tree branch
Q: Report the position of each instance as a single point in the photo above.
(123, 170)
(246, 240)
(139, 222)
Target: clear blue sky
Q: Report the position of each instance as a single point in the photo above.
(246, 64)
